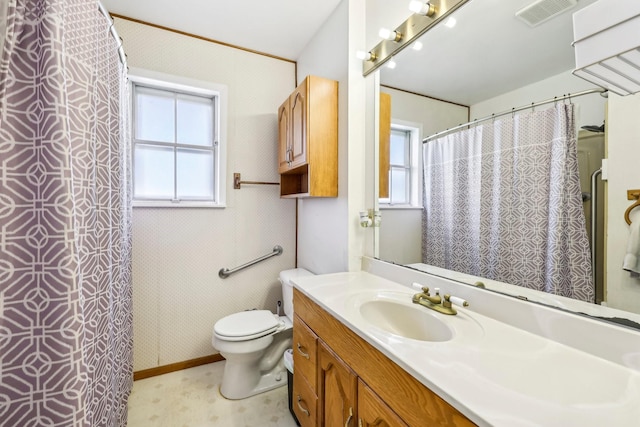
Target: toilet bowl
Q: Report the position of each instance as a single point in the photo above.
(253, 342)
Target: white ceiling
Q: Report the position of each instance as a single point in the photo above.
(277, 27)
(489, 51)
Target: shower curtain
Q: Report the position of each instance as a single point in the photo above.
(502, 200)
(65, 219)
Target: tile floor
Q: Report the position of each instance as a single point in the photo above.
(191, 398)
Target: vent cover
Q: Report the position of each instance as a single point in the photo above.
(542, 10)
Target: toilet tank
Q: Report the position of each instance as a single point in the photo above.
(287, 288)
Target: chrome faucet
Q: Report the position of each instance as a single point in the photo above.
(440, 304)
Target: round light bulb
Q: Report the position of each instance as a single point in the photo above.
(364, 56)
(386, 34)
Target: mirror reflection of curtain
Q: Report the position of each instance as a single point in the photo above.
(502, 201)
(65, 219)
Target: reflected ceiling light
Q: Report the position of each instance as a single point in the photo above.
(416, 45)
(391, 64)
(365, 56)
(451, 22)
(422, 8)
(390, 35)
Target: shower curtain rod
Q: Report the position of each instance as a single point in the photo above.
(114, 33)
(602, 92)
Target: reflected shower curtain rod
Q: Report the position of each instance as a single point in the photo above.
(602, 92)
(114, 34)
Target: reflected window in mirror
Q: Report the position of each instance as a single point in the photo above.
(404, 154)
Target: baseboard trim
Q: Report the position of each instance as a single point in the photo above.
(159, 370)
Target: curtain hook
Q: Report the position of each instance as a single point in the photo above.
(513, 112)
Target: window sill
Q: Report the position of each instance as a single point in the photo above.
(399, 207)
(181, 204)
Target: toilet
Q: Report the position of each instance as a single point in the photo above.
(253, 343)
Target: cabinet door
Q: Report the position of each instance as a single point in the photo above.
(304, 352)
(298, 105)
(373, 412)
(337, 390)
(284, 136)
(305, 402)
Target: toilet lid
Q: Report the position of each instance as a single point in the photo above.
(246, 324)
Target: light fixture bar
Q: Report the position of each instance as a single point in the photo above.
(410, 30)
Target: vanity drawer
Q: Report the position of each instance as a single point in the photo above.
(305, 401)
(305, 347)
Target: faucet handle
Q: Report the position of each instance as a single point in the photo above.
(456, 301)
(419, 287)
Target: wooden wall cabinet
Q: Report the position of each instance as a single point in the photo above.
(384, 136)
(308, 140)
(355, 384)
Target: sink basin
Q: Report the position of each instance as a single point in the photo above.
(405, 319)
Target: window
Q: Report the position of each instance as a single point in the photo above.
(177, 144)
(403, 166)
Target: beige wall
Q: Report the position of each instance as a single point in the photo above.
(330, 239)
(177, 253)
(623, 146)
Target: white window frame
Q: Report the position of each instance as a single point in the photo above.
(185, 85)
(415, 162)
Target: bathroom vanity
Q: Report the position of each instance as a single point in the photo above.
(364, 354)
(341, 378)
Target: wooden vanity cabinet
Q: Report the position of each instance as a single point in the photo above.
(352, 374)
(308, 140)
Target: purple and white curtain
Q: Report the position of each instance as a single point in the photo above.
(65, 219)
(502, 201)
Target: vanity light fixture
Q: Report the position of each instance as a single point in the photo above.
(387, 34)
(450, 22)
(426, 15)
(391, 64)
(422, 8)
(417, 45)
(365, 56)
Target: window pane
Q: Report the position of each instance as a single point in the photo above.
(195, 174)
(398, 148)
(399, 185)
(153, 172)
(154, 115)
(195, 120)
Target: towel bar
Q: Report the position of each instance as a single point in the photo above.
(632, 195)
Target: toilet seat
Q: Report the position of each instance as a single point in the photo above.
(247, 325)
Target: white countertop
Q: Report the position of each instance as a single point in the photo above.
(494, 373)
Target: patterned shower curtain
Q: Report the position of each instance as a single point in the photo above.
(502, 201)
(65, 239)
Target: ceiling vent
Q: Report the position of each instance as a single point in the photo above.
(543, 10)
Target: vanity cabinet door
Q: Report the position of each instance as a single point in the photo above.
(373, 412)
(304, 352)
(305, 402)
(337, 390)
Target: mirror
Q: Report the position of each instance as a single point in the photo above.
(491, 62)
